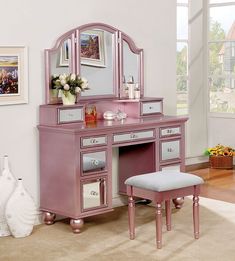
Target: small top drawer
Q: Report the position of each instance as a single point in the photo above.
(70, 115)
(133, 136)
(93, 141)
(169, 131)
(151, 107)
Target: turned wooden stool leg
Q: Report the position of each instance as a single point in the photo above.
(196, 216)
(168, 214)
(159, 225)
(131, 215)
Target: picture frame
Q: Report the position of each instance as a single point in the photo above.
(13, 75)
(92, 48)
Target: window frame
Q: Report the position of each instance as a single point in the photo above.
(208, 75)
(184, 77)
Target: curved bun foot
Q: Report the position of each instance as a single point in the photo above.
(76, 225)
(49, 218)
(178, 202)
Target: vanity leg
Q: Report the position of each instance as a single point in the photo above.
(178, 202)
(49, 218)
(76, 224)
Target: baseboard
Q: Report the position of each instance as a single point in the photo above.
(196, 166)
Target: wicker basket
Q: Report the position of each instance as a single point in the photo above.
(221, 162)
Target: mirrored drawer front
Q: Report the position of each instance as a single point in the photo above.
(170, 150)
(170, 131)
(132, 136)
(93, 162)
(94, 141)
(151, 107)
(70, 115)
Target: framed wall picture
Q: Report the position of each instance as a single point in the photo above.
(93, 48)
(13, 75)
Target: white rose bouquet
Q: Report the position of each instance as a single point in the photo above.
(69, 83)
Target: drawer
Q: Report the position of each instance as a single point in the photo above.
(153, 107)
(70, 115)
(170, 150)
(95, 161)
(132, 136)
(93, 141)
(170, 131)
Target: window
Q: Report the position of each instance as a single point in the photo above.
(221, 58)
(182, 57)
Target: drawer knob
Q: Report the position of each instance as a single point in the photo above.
(94, 162)
(170, 150)
(150, 107)
(94, 141)
(169, 131)
(133, 136)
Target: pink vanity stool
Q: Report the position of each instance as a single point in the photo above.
(163, 186)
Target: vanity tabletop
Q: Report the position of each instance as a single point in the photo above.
(116, 125)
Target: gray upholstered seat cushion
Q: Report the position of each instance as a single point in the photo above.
(164, 180)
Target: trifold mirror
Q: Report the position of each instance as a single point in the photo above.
(102, 54)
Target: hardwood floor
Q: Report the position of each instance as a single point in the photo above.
(219, 183)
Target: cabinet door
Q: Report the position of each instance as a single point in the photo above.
(94, 194)
(170, 150)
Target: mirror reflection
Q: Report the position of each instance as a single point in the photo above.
(94, 193)
(94, 161)
(130, 64)
(97, 61)
(93, 52)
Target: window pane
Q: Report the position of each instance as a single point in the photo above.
(182, 1)
(220, 1)
(182, 96)
(222, 94)
(222, 23)
(182, 22)
(182, 59)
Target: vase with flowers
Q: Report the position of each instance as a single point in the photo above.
(70, 85)
(220, 156)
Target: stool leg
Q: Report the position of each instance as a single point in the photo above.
(131, 215)
(159, 225)
(168, 214)
(196, 216)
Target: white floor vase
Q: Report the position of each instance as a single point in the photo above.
(20, 212)
(7, 186)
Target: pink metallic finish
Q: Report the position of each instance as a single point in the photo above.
(76, 225)
(158, 198)
(49, 218)
(74, 62)
(61, 177)
(178, 202)
(196, 216)
(168, 214)
(131, 211)
(159, 225)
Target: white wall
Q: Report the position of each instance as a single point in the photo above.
(37, 24)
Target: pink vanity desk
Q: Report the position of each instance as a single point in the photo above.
(76, 159)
